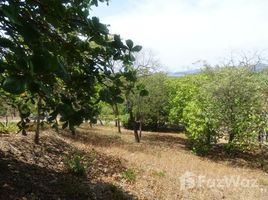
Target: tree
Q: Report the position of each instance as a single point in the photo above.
(146, 106)
(55, 53)
(220, 103)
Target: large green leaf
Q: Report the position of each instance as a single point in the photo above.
(14, 85)
(129, 44)
(136, 48)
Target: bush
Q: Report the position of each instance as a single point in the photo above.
(75, 164)
(9, 128)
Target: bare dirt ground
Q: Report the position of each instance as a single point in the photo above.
(29, 171)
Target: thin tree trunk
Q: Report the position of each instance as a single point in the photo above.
(101, 123)
(117, 118)
(6, 120)
(134, 125)
(136, 134)
(14, 112)
(119, 125)
(57, 125)
(231, 137)
(37, 131)
(140, 128)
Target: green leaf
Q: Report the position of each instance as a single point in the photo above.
(24, 110)
(14, 85)
(119, 99)
(6, 43)
(136, 48)
(131, 57)
(129, 44)
(144, 93)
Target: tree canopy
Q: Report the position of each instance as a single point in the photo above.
(56, 54)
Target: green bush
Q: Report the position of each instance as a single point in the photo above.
(9, 128)
(76, 164)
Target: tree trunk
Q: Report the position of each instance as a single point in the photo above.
(136, 134)
(117, 119)
(101, 123)
(6, 120)
(119, 125)
(57, 125)
(231, 137)
(72, 129)
(14, 112)
(37, 131)
(135, 126)
(140, 129)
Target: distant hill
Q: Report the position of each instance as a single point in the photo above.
(258, 67)
(183, 73)
(261, 66)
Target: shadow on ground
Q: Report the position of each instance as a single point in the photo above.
(29, 171)
(249, 159)
(107, 138)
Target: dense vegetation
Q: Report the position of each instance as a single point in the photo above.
(91, 74)
(55, 61)
(221, 104)
(228, 103)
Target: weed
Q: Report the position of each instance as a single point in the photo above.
(129, 175)
(9, 128)
(160, 174)
(75, 164)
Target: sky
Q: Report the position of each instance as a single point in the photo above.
(184, 33)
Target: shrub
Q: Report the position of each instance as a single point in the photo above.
(9, 128)
(75, 164)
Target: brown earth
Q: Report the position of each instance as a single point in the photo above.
(29, 171)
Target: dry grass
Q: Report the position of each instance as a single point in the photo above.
(161, 158)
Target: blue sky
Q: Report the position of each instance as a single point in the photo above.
(183, 32)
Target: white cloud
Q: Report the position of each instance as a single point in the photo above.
(184, 31)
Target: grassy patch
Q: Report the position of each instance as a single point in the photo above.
(129, 175)
(159, 174)
(9, 128)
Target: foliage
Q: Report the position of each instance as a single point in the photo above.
(226, 103)
(129, 175)
(57, 55)
(9, 128)
(151, 91)
(75, 164)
